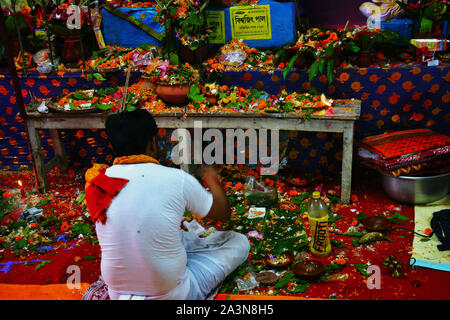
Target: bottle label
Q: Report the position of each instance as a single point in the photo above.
(319, 235)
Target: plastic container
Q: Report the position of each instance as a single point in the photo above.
(318, 222)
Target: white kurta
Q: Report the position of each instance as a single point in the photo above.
(142, 250)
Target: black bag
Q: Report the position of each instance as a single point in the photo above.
(440, 223)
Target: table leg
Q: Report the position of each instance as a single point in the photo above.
(60, 153)
(347, 162)
(36, 153)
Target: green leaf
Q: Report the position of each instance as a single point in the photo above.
(289, 66)
(332, 218)
(284, 281)
(81, 228)
(80, 197)
(194, 94)
(330, 70)
(98, 76)
(20, 244)
(425, 239)
(42, 264)
(355, 242)
(240, 208)
(321, 65)
(78, 96)
(401, 217)
(334, 267)
(362, 269)
(130, 107)
(89, 258)
(354, 234)
(361, 216)
(174, 60)
(313, 70)
(42, 203)
(337, 244)
(104, 107)
(300, 288)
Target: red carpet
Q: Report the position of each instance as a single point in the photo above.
(419, 283)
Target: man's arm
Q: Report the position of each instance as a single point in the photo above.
(220, 209)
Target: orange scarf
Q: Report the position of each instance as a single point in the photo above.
(100, 189)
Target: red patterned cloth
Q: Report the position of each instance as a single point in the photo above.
(397, 144)
(97, 291)
(409, 152)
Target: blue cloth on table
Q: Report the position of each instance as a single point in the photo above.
(123, 33)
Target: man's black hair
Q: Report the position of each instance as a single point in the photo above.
(130, 132)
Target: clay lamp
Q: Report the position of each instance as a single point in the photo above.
(308, 268)
(284, 260)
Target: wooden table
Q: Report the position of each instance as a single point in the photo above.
(345, 112)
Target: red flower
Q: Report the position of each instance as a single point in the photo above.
(64, 227)
(7, 195)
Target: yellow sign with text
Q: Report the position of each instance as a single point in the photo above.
(250, 22)
(215, 20)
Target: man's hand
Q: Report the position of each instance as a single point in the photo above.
(220, 209)
(210, 176)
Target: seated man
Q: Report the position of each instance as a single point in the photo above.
(138, 206)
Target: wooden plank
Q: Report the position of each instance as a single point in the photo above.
(172, 122)
(347, 157)
(36, 153)
(51, 164)
(60, 153)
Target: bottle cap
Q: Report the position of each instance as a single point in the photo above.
(316, 195)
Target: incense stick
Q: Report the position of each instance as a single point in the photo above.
(125, 91)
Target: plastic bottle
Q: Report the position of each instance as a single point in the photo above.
(318, 222)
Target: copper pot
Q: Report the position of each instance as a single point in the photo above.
(212, 99)
(173, 94)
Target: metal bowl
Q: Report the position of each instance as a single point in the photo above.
(416, 190)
